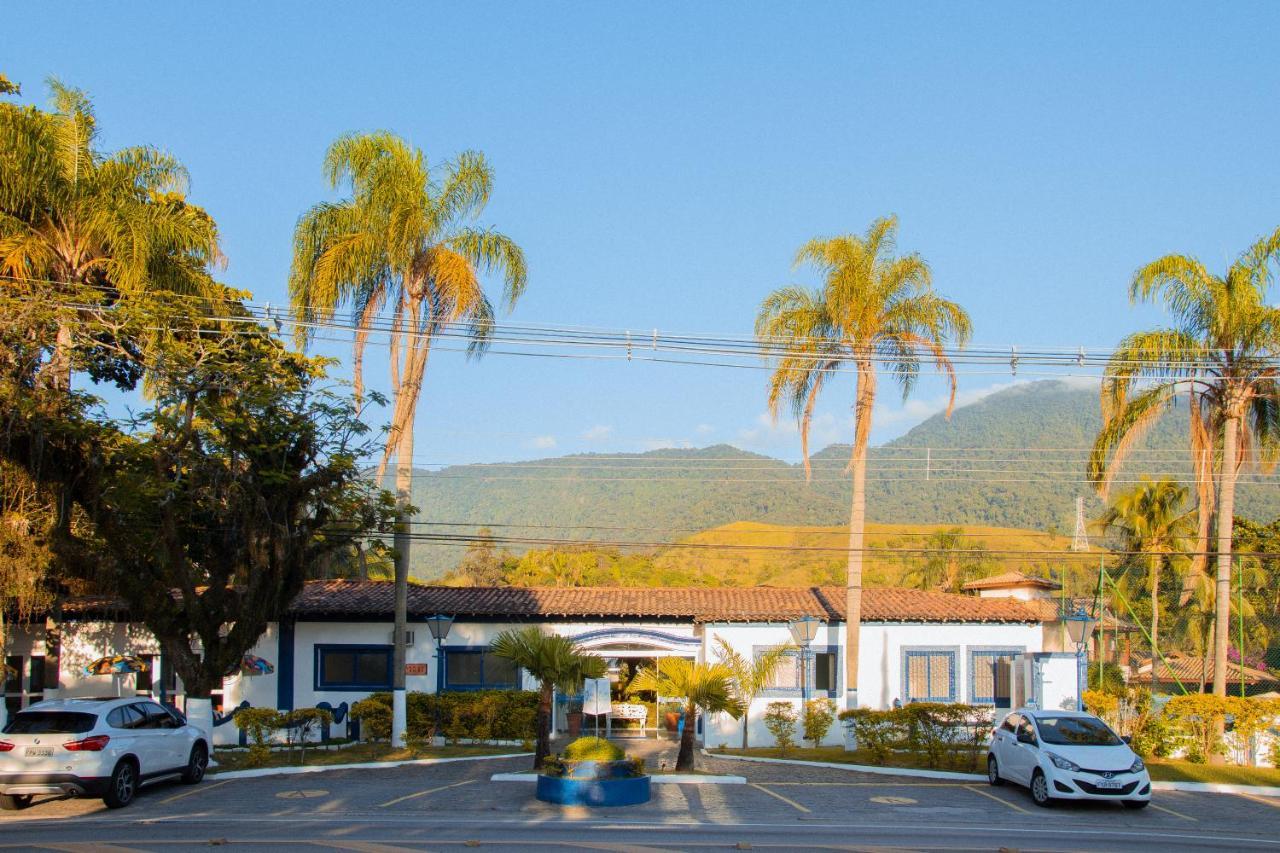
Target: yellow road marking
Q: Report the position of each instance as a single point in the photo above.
(1266, 801)
(1172, 812)
(424, 793)
(196, 789)
(776, 795)
(991, 796)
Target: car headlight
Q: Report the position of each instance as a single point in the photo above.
(1137, 766)
(1062, 763)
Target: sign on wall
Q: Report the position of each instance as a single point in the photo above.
(415, 669)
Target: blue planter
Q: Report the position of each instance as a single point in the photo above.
(568, 791)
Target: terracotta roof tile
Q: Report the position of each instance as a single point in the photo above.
(699, 604)
(1187, 669)
(1012, 579)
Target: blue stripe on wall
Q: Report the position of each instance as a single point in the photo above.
(284, 667)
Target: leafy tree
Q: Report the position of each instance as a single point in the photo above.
(73, 216)
(402, 243)
(872, 307)
(951, 561)
(557, 664)
(481, 563)
(205, 510)
(751, 677)
(706, 687)
(8, 87)
(1150, 519)
(1221, 352)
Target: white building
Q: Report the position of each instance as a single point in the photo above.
(335, 645)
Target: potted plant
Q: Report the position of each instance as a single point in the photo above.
(593, 772)
(671, 716)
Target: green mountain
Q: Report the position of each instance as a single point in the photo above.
(1013, 459)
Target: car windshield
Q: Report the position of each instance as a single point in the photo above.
(50, 722)
(1077, 731)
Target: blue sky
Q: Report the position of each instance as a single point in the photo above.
(661, 163)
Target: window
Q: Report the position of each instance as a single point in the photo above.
(50, 723)
(824, 671)
(126, 717)
(36, 681)
(13, 675)
(142, 681)
(353, 668)
(786, 680)
(990, 676)
(929, 675)
(477, 669)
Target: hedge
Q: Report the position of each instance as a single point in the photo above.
(936, 734)
(470, 715)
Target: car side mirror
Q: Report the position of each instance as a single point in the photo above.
(1126, 739)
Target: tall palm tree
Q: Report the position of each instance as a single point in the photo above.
(556, 662)
(402, 245)
(1151, 520)
(706, 687)
(751, 677)
(872, 308)
(1220, 350)
(74, 218)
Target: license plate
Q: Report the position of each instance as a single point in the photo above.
(1108, 784)
(39, 751)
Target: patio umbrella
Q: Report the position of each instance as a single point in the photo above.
(116, 665)
(251, 665)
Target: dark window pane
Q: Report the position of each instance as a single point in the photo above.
(465, 669)
(50, 722)
(824, 671)
(338, 667)
(371, 668)
(499, 672)
(142, 680)
(37, 674)
(13, 683)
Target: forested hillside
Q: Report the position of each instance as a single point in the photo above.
(1015, 459)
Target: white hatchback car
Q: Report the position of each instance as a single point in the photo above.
(1067, 755)
(96, 747)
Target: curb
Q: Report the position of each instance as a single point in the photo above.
(658, 779)
(1189, 787)
(258, 772)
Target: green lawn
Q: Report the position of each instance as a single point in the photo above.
(1163, 770)
(361, 752)
(837, 754)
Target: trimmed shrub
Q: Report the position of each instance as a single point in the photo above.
(374, 717)
(878, 732)
(818, 715)
(592, 749)
(935, 734)
(1200, 717)
(780, 720)
(258, 724)
(472, 714)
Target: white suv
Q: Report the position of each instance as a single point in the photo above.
(96, 747)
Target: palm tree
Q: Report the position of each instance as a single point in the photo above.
(1221, 351)
(708, 687)
(556, 662)
(872, 308)
(402, 245)
(73, 218)
(1151, 520)
(750, 678)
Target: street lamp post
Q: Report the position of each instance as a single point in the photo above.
(1080, 628)
(439, 626)
(803, 631)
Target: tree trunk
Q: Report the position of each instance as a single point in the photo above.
(866, 393)
(543, 747)
(1226, 519)
(746, 722)
(1155, 619)
(684, 761)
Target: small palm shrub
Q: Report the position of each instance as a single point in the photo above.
(592, 749)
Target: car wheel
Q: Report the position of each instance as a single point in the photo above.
(122, 787)
(14, 802)
(993, 771)
(1040, 789)
(1136, 804)
(196, 765)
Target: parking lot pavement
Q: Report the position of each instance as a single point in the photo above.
(782, 806)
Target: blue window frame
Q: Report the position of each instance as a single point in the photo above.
(990, 676)
(929, 675)
(353, 667)
(477, 668)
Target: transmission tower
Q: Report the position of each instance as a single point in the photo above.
(1080, 542)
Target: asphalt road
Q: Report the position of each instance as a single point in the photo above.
(783, 807)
